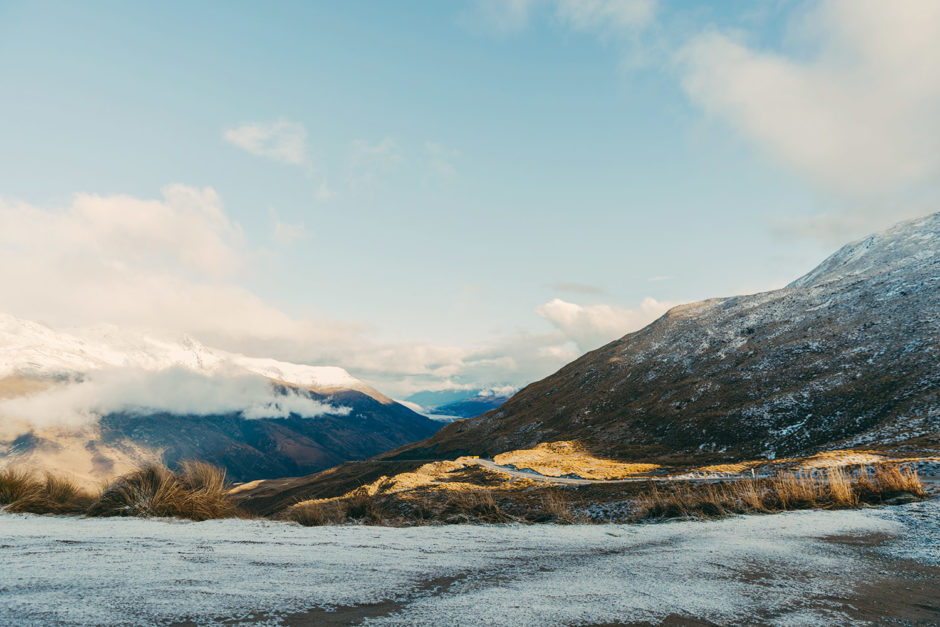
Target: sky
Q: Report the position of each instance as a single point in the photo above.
(446, 195)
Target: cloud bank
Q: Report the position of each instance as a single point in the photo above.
(175, 390)
(590, 327)
(171, 266)
(860, 114)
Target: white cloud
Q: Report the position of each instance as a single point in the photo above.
(167, 264)
(280, 140)
(592, 326)
(442, 160)
(384, 153)
(324, 192)
(504, 15)
(172, 266)
(627, 24)
(285, 233)
(607, 16)
(175, 390)
(187, 230)
(859, 115)
(370, 162)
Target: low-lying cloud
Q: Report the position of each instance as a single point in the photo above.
(280, 140)
(591, 326)
(78, 404)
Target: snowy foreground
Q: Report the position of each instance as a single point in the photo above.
(794, 568)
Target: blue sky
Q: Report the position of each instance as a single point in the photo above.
(446, 194)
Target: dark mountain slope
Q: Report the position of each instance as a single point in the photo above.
(849, 354)
(274, 447)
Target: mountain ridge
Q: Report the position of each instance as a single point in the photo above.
(845, 354)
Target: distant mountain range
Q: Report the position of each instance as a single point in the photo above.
(848, 355)
(469, 407)
(95, 402)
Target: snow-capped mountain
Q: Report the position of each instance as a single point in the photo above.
(846, 355)
(95, 402)
(34, 350)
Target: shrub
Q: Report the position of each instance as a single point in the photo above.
(317, 513)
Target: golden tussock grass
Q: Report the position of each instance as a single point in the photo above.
(441, 505)
(363, 505)
(555, 506)
(198, 491)
(558, 459)
(447, 498)
(24, 492)
(317, 513)
(478, 506)
(729, 469)
(831, 488)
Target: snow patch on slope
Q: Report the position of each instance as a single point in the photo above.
(912, 241)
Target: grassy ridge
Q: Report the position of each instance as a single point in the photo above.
(198, 491)
(830, 489)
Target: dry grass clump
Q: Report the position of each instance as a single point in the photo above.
(477, 506)
(317, 513)
(559, 459)
(197, 492)
(23, 492)
(363, 505)
(794, 490)
(682, 501)
(437, 505)
(832, 488)
(554, 506)
(885, 481)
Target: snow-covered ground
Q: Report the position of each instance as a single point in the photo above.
(781, 569)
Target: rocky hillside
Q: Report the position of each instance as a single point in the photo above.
(96, 402)
(846, 355)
